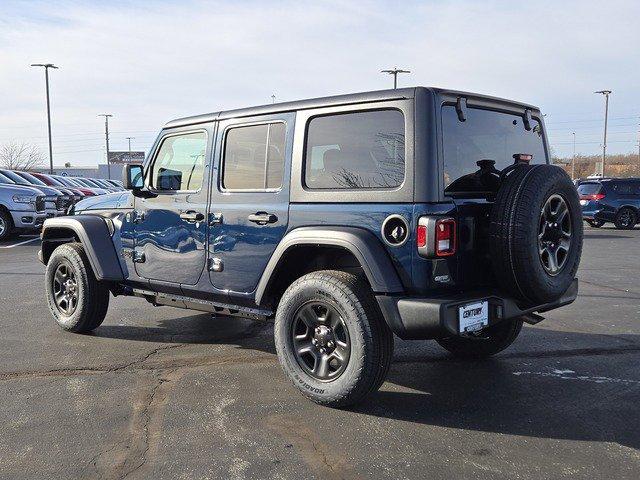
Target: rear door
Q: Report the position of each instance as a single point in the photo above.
(250, 200)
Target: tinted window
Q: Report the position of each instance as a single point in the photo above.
(623, 188)
(588, 188)
(484, 135)
(16, 178)
(31, 179)
(179, 164)
(355, 150)
(254, 157)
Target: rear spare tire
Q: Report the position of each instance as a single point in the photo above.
(536, 233)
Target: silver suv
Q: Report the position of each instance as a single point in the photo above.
(21, 209)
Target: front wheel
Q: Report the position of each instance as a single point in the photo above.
(486, 342)
(331, 338)
(77, 300)
(6, 225)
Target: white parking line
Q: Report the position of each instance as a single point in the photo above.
(21, 243)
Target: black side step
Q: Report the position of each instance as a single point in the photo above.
(180, 301)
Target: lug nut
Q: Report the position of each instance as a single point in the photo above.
(314, 342)
(330, 344)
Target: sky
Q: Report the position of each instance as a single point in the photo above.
(147, 62)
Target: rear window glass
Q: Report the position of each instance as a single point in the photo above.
(588, 188)
(359, 150)
(489, 137)
(254, 157)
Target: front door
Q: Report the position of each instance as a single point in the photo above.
(250, 200)
(170, 226)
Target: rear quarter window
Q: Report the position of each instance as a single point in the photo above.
(355, 150)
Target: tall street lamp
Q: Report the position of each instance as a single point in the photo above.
(606, 94)
(395, 71)
(573, 159)
(46, 67)
(106, 138)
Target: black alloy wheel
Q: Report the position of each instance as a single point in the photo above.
(554, 234)
(320, 341)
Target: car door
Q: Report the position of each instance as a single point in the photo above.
(250, 199)
(170, 227)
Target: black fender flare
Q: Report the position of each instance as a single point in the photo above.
(94, 234)
(363, 244)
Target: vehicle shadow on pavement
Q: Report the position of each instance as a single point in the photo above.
(587, 393)
(197, 329)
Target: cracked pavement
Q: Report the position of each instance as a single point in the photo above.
(167, 393)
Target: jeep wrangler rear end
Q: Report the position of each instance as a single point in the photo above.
(424, 213)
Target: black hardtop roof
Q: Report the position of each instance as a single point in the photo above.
(348, 99)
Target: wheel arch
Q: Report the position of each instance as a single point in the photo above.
(311, 248)
(94, 235)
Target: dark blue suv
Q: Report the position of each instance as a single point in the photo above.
(615, 200)
(418, 212)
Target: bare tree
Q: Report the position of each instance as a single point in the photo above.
(20, 156)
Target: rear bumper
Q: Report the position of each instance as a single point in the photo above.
(427, 318)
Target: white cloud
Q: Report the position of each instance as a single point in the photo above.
(152, 61)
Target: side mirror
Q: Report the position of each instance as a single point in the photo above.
(133, 177)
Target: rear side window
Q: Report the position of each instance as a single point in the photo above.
(588, 188)
(626, 188)
(254, 157)
(360, 150)
(179, 164)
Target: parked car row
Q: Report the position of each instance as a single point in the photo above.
(610, 200)
(28, 198)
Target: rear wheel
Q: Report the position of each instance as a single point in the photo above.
(6, 225)
(595, 223)
(77, 300)
(484, 343)
(331, 338)
(626, 219)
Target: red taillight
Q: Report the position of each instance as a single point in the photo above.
(421, 236)
(595, 196)
(445, 237)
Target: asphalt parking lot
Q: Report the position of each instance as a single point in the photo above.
(167, 393)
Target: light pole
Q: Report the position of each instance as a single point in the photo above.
(129, 140)
(606, 94)
(106, 138)
(273, 98)
(573, 159)
(395, 71)
(46, 67)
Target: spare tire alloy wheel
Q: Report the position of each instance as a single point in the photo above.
(320, 341)
(535, 233)
(554, 234)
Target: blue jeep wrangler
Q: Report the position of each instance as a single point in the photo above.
(419, 212)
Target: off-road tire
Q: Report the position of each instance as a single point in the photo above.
(626, 219)
(489, 341)
(371, 340)
(93, 296)
(595, 223)
(7, 222)
(515, 223)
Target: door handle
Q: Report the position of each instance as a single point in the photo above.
(192, 216)
(262, 218)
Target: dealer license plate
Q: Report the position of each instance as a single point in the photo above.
(473, 316)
